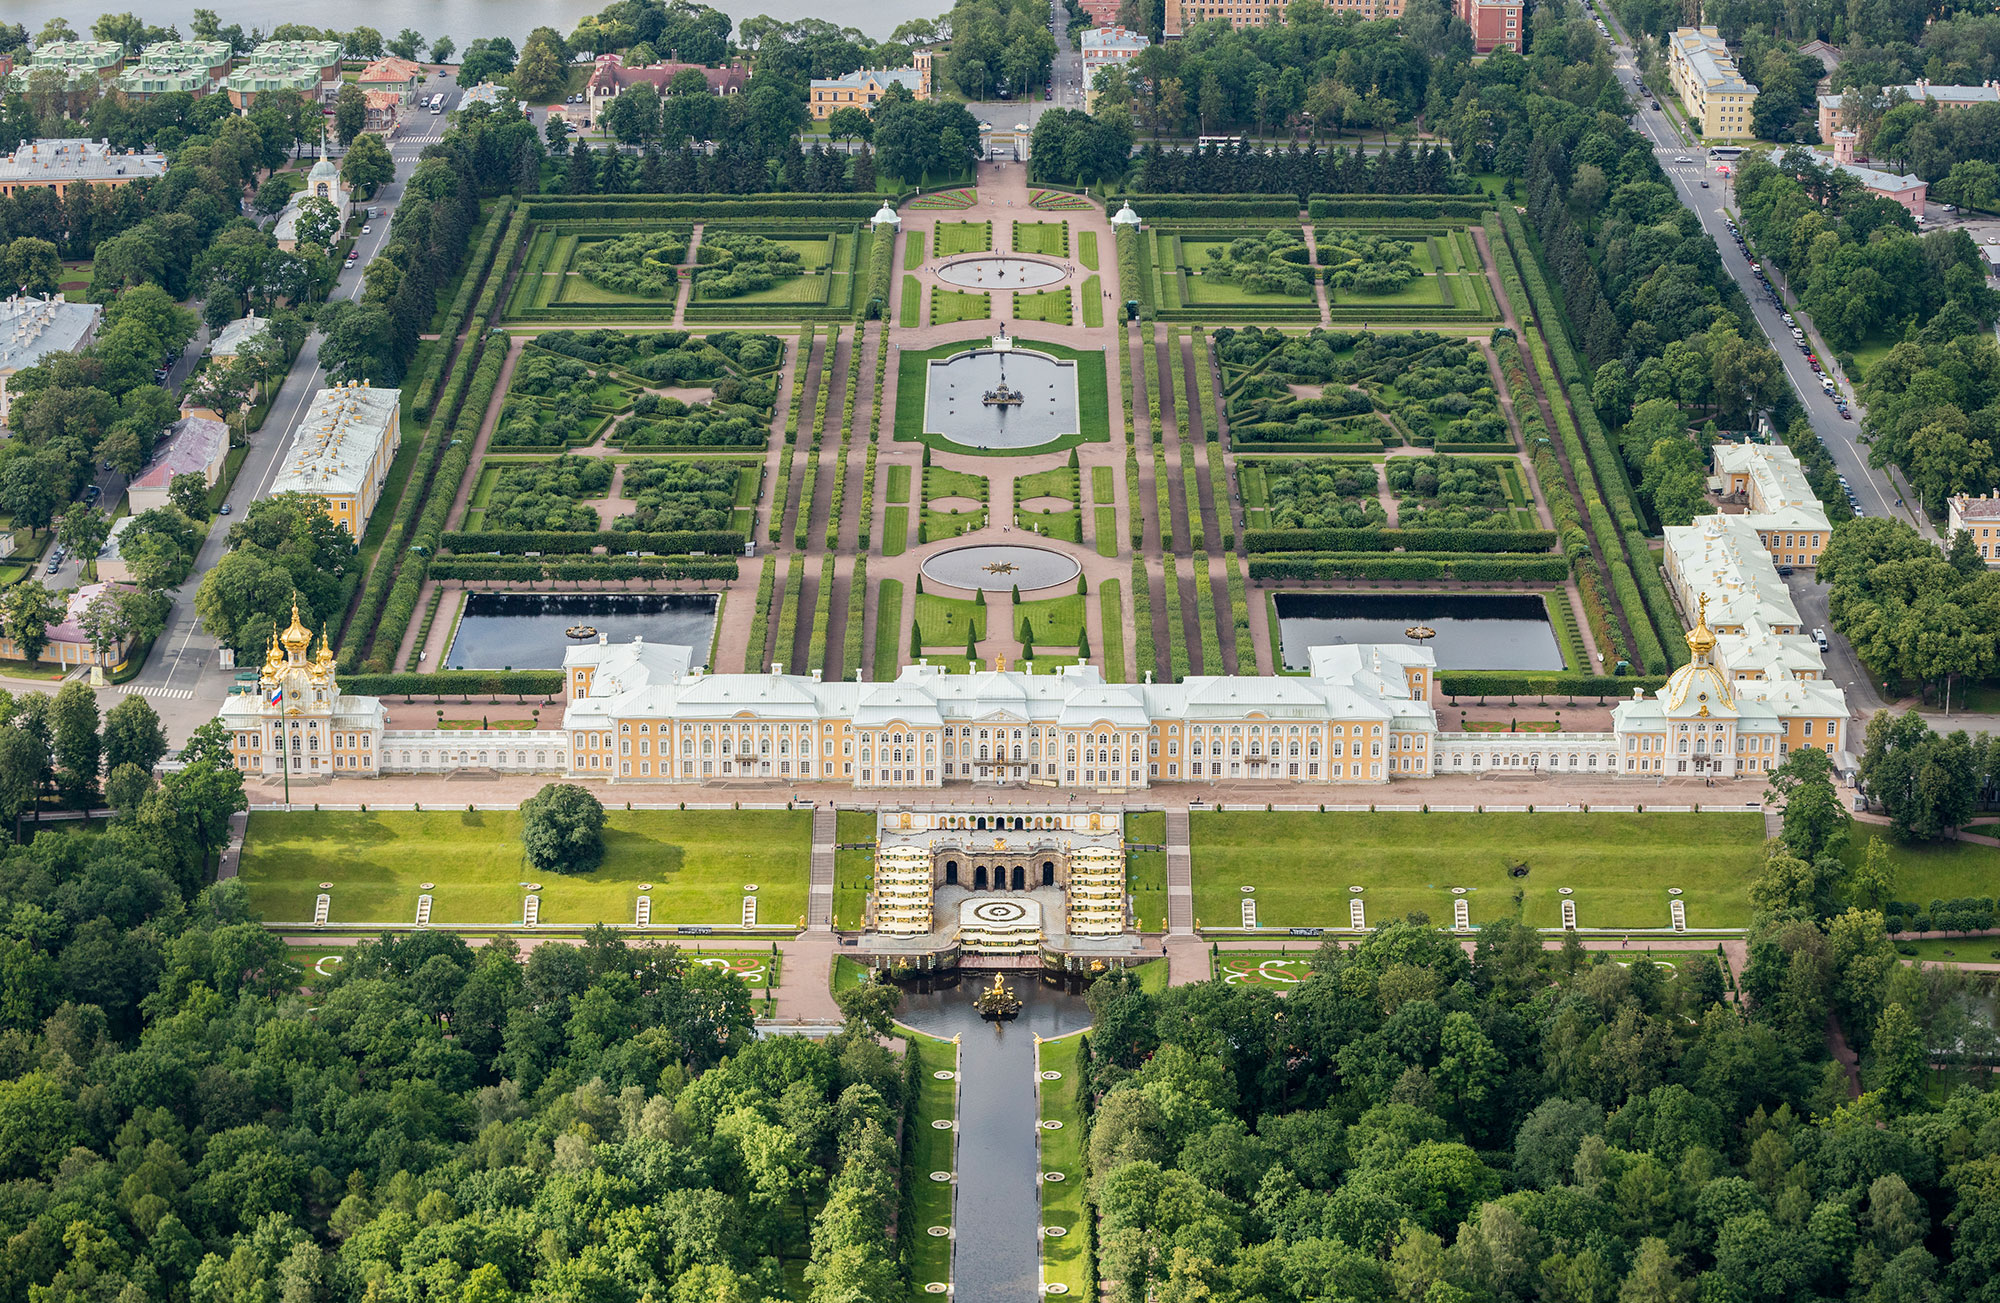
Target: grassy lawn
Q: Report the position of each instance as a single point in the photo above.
(913, 303)
(899, 484)
(888, 629)
(1146, 871)
(1093, 300)
(1619, 865)
(698, 862)
(1058, 621)
(948, 306)
(1050, 239)
(1113, 611)
(1107, 531)
(852, 869)
(1867, 355)
(895, 530)
(1261, 967)
(1926, 872)
(913, 249)
(1951, 950)
(933, 1149)
(1086, 249)
(963, 237)
(1062, 1151)
(1051, 306)
(941, 621)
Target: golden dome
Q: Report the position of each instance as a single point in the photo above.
(1700, 683)
(1700, 639)
(274, 657)
(322, 665)
(297, 637)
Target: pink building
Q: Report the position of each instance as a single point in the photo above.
(1494, 23)
(609, 76)
(1834, 112)
(1907, 190)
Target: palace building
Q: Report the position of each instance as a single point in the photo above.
(640, 712)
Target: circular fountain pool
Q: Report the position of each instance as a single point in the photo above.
(999, 273)
(998, 567)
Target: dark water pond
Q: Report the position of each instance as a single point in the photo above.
(525, 632)
(1475, 631)
(997, 1252)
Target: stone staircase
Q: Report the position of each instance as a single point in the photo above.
(819, 895)
(1180, 875)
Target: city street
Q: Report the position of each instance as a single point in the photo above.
(182, 678)
(1879, 492)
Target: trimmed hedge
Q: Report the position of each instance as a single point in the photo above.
(1131, 285)
(1496, 683)
(1319, 207)
(454, 320)
(677, 542)
(1392, 540)
(1169, 207)
(529, 569)
(881, 252)
(1409, 565)
(544, 683)
(704, 207)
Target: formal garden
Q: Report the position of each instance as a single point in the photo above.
(1341, 390)
(664, 389)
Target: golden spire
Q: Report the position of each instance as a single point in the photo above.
(322, 665)
(274, 657)
(1700, 640)
(297, 637)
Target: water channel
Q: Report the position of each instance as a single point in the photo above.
(996, 1254)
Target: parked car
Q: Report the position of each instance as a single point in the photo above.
(1819, 636)
(1704, 185)
(225, 509)
(1784, 572)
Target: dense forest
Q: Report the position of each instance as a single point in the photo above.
(1413, 1124)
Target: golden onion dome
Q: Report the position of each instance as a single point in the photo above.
(296, 637)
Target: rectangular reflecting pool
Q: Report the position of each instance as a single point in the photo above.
(527, 631)
(1475, 631)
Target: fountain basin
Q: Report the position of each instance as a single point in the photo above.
(1000, 567)
(1000, 272)
(956, 390)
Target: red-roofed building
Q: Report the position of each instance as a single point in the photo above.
(194, 445)
(68, 643)
(609, 77)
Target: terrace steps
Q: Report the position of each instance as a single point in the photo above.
(819, 892)
(1180, 875)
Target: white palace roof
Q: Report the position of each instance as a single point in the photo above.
(640, 679)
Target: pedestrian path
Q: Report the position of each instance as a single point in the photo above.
(159, 693)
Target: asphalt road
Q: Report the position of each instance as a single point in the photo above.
(1066, 75)
(1877, 492)
(182, 678)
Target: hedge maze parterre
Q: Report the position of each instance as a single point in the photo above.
(694, 374)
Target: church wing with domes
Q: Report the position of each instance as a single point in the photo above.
(295, 708)
(1704, 723)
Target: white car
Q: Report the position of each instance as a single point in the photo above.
(366, 230)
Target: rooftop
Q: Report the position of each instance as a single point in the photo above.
(1882, 181)
(1779, 493)
(392, 69)
(71, 628)
(1985, 507)
(909, 78)
(1112, 38)
(335, 440)
(1722, 557)
(273, 76)
(1707, 56)
(237, 333)
(610, 74)
(192, 444)
(31, 329)
(297, 54)
(72, 159)
(185, 54)
(159, 79)
(77, 54)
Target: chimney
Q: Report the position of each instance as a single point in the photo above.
(777, 667)
(816, 674)
(603, 640)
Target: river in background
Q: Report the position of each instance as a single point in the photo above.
(462, 20)
(997, 1250)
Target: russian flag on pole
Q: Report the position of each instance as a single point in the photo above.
(277, 696)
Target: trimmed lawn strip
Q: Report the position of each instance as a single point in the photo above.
(948, 306)
(913, 303)
(698, 861)
(1111, 608)
(1063, 1257)
(932, 1150)
(1107, 531)
(1926, 872)
(1620, 866)
(895, 530)
(1093, 301)
(888, 629)
(1086, 249)
(852, 869)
